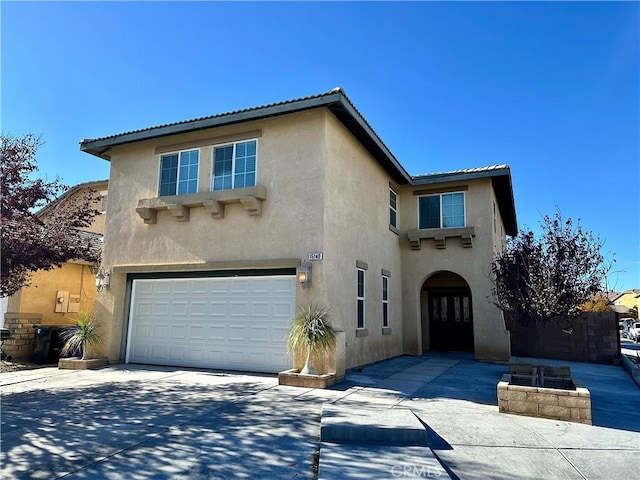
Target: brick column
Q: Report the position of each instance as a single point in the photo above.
(23, 337)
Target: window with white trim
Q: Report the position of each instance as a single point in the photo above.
(445, 210)
(234, 165)
(179, 173)
(385, 301)
(360, 297)
(393, 208)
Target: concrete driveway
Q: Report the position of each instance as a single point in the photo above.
(130, 422)
(134, 422)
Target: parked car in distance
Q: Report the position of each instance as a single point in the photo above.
(634, 332)
(624, 329)
(624, 325)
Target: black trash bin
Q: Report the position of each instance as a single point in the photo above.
(48, 344)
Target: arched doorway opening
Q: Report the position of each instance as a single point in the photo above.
(447, 313)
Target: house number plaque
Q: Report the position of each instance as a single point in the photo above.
(315, 256)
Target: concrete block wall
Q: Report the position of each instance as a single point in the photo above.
(23, 338)
(557, 404)
(593, 337)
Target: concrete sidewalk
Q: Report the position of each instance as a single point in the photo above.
(134, 422)
(455, 398)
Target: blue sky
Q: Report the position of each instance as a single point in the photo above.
(550, 88)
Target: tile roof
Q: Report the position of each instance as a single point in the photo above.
(488, 168)
(93, 240)
(335, 100)
(217, 115)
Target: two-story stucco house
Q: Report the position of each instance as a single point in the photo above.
(212, 223)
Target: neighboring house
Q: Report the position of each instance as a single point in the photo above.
(624, 302)
(55, 294)
(210, 220)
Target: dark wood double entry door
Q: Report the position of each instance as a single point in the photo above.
(450, 319)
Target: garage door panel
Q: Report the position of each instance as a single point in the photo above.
(260, 309)
(157, 351)
(140, 351)
(160, 332)
(192, 355)
(215, 356)
(196, 332)
(179, 308)
(178, 332)
(221, 287)
(163, 287)
(200, 287)
(217, 332)
(259, 334)
(177, 353)
(282, 309)
(182, 288)
(239, 309)
(237, 334)
(199, 308)
(279, 334)
(160, 308)
(228, 323)
(144, 308)
(141, 330)
(146, 288)
(239, 286)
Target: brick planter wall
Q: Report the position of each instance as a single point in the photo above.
(23, 337)
(594, 338)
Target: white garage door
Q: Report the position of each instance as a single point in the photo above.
(234, 323)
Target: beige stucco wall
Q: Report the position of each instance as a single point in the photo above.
(325, 193)
(499, 233)
(318, 178)
(290, 165)
(491, 339)
(356, 224)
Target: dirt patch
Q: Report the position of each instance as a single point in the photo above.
(19, 365)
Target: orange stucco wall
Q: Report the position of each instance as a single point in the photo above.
(41, 297)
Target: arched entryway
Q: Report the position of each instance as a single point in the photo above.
(447, 313)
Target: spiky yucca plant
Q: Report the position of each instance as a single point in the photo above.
(311, 332)
(84, 333)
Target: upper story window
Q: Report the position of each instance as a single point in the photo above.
(179, 173)
(445, 210)
(234, 165)
(393, 208)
